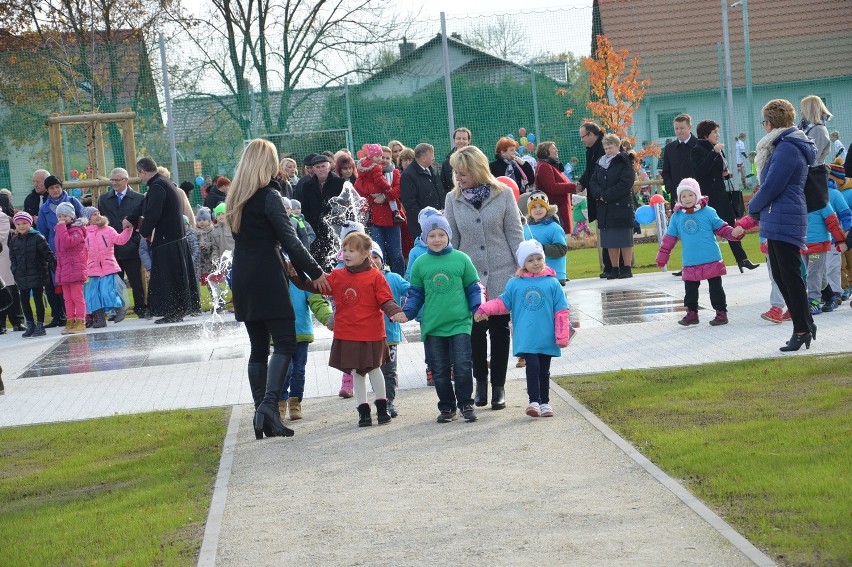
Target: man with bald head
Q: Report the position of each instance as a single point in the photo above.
(36, 199)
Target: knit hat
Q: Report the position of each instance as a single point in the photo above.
(51, 180)
(88, 212)
(220, 209)
(288, 204)
(294, 204)
(837, 172)
(537, 197)
(432, 221)
(689, 184)
(377, 250)
(526, 249)
(67, 209)
(22, 216)
(351, 226)
(373, 150)
(203, 214)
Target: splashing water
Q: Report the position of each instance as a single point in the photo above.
(348, 206)
(220, 292)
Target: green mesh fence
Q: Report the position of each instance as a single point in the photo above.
(507, 71)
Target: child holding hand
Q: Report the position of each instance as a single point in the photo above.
(698, 224)
(540, 325)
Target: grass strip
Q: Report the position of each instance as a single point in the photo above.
(766, 443)
(123, 490)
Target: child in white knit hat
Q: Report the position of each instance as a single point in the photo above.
(540, 326)
(697, 225)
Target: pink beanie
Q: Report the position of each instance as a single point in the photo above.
(22, 216)
(689, 184)
(373, 150)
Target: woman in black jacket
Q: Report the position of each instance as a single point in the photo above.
(711, 170)
(611, 187)
(508, 163)
(260, 287)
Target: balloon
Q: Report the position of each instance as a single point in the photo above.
(646, 214)
(83, 176)
(531, 137)
(77, 192)
(522, 131)
(75, 174)
(524, 141)
(510, 183)
(360, 154)
(199, 181)
(511, 136)
(530, 147)
(657, 199)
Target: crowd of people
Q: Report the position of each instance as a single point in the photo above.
(475, 251)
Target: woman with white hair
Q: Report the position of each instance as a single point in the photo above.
(814, 116)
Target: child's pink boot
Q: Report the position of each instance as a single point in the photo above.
(345, 386)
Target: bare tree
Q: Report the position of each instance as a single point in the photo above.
(500, 36)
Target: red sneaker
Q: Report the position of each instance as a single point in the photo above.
(774, 315)
(786, 316)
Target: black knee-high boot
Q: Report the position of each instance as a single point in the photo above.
(267, 411)
(257, 383)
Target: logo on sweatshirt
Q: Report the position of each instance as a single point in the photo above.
(440, 282)
(350, 296)
(533, 299)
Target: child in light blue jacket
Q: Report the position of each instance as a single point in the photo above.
(543, 225)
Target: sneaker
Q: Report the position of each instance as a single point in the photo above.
(429, 380)
(828, 306)
(468, 414)
(346, 386)
(837, 298)
(786, 316)
(814, 306)
(546, 410)
(446, 416)
(691, 318)
(533, 409)
(847, 293)
(774, 315)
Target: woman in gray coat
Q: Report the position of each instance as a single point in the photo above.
(486, 225)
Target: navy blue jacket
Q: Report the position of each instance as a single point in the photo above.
(780, 202)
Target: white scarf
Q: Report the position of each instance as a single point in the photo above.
(765, 147)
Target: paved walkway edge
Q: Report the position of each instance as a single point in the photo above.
(213, 526)
(720, 525)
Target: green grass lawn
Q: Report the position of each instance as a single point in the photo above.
(766, 443)
(125, 490)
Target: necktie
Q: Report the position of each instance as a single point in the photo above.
(120, 197)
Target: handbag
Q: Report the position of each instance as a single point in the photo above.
(736, 198)
(816, 188)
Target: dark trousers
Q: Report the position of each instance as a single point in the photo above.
(497, 327)
(283, 333)
(13, 312)
(55, 300)
(717, 294)
(738, 250)
(786, 264)
(607, 264)
(390, 374)
(133, 268)
(38, 299)
(446, 353)
(538, 377)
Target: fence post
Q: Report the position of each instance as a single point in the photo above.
(729, 131)
(350, 140)
(448, 84)
(722, 84)
(169, 116)
(535, 102)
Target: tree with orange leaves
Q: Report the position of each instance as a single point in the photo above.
(616, 91)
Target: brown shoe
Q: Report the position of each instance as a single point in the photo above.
(282, 408)
(295, 408)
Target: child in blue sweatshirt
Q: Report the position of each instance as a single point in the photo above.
(393, 331)
(823, 227)
(543, 226)
(418, 250)
(834, 261)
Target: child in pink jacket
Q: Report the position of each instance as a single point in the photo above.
(71, 260)
(105, 289)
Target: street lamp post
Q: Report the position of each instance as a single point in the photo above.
(747, 56)
(726, 39)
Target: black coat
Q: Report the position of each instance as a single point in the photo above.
(418, 191)
(259, 282)
(214, 197)
(316, 208)
(33, 202)
(31, 258)
(447, 181)
(708, 167)
(162, 209)
(612, 191)
(677, 165)
(108, 207)
(593, 154)
(498, 168)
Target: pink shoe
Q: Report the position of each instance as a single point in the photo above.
(345, 386)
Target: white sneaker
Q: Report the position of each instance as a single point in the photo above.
(546, 410)
(533, 410)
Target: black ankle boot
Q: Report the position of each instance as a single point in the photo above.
(498, 397)
(796, 342)
(267, 411)
(382, 415)
(481, 393)
(614, 274)
(364, 419)
(746, 264)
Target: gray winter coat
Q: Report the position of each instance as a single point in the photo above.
(490, 235)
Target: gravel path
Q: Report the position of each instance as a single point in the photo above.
(507, 490)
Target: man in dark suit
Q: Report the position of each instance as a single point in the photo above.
(115, 205)
(421, 187)
(461, 138)
(677, 160)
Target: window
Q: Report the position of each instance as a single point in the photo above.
(665, 123)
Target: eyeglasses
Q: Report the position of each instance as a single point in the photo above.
(584, 135)
(118, 180)
(764, 122)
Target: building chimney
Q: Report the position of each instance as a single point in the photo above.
(456, 35)
(405, 48)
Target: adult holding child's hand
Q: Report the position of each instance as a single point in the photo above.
(260, 286)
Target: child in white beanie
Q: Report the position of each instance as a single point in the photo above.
(71, 265)
(540, 326)
(698, 224)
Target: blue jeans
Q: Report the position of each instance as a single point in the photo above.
(390, 240)
(538, 377)
(294, 385)
(451, 352)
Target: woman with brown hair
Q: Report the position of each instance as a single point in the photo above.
(508, 163)
(550, 179)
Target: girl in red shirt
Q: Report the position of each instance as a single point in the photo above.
(361, 297)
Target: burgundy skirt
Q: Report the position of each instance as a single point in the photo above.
(362, 356)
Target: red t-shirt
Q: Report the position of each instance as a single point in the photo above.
(358, 299)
